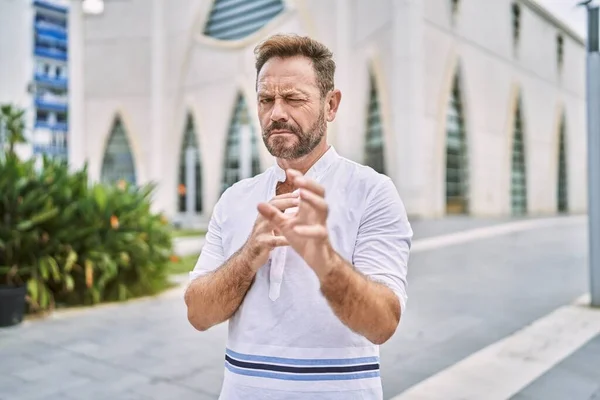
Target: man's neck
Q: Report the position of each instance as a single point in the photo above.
(303, 164)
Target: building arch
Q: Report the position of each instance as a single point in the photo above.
(457, 175)
(242, 156)
(118, 162)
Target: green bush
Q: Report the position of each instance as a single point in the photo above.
(72, 242)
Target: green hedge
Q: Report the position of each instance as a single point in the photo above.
(74, 243)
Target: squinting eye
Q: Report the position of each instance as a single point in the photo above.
(265, 101)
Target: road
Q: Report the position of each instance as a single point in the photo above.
(465, 293)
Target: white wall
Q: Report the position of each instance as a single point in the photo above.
(16, 53)
(413, 77)
(492, 76)
(117, 81)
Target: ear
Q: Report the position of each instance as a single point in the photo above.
(333, 103)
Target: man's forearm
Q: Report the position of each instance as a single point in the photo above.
(213, 298)
(368, 308)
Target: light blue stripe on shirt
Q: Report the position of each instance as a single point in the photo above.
(302, 377)
(301, 361)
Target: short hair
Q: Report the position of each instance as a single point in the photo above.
(291, 45)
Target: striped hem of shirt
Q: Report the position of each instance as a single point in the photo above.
(302, 369)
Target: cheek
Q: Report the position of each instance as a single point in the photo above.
(264, 119)
(306, 118)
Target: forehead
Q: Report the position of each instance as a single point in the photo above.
(290, 73)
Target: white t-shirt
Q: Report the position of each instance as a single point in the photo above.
(284, 341)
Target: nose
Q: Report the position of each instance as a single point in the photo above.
(278, 112)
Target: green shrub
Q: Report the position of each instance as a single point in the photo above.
(72, 242)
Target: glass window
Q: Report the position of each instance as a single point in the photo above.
(518, 167)
(516, 22)
(457, 161)
(118, 160)
(236, 19)
(189, 142)
(374, 154)
(559, 50)
(454, 6)
(563, 185)
(232, 170)
(41, 115)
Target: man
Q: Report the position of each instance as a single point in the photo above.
(307, 260)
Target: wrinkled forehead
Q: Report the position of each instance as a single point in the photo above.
(287, 75)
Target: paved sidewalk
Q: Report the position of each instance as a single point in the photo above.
(575, 378)
(462, 298)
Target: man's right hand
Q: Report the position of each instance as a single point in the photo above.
(264, 236)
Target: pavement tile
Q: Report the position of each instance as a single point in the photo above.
(461, 299)
(577, 377)
(160, 390)
(17, 364)
(562, 384)
(47, 388)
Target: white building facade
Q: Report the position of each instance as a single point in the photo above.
(470, 108)
(34, 71)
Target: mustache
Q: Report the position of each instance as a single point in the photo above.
(283, 126)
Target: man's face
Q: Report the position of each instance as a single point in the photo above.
(290, 107)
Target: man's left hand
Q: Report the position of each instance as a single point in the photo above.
(305, 230)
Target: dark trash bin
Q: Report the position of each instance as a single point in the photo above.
(12, 305)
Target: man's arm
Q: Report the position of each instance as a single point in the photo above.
(369, 294)
(217, 291)
(368, 308)
(213, 298)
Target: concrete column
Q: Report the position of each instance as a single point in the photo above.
(155, 156)
(76, 67)
(343, 64)
(593, 126)
(407, 167)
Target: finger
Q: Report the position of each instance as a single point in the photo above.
(292, 174)
(272, 214)
(284, 204)
(302, 182)
(316, 202)
(311, 231)
(275, 241)
(285, 196)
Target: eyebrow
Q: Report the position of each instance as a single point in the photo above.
(284, 92)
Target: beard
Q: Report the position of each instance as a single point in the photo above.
(280, 146)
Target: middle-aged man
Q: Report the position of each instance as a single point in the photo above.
(308, 260)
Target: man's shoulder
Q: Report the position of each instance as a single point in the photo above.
(363, 175)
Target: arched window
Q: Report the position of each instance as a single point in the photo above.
(454, 6)
(241, 150)
(516, 23)
(190, 145)
(457, 157)
(518, 167)
(563, 183)
(118, 162)
(374, 154)
(236, 19)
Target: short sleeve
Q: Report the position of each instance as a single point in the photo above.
(212, 255)
(384, 239)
